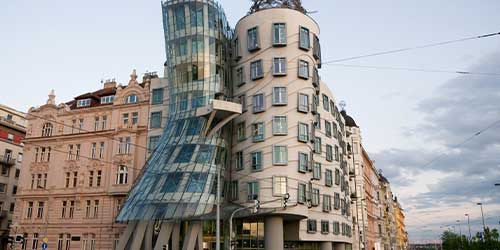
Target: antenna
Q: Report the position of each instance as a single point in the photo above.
(342, 105)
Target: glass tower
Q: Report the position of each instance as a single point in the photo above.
(179, 179)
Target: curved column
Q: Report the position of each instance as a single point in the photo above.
(273, 233)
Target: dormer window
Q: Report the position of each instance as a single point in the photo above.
(107, 99)
(131, 99)
(83, 103)
(47, 129)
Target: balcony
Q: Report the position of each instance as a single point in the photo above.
(7, 160)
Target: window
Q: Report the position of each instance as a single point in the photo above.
(317, 171)
(75, 179)
(197, 182)
(153, 143)
(34, 243)
(68, 178)
(279, 34)
(303, 162)
(256, 71)
(253, 191)
(96, 209)
(258, 132)
(29, 210)
(172, 182)
(304, 39)
(280, 126)
(197, 99)
(125, 119)
(317, 49)
(257, 161)
(47, 129)
(303, 69)
(131, 99)
(235, 190)
(8, 117)
(303, 132)
(315, 197)
(3, 188)
(39, 213)
(88, 208)
(242, 99)
(328, 178)
(301, 193)
(78, 149)
(326, 103)
(337, 155)
(99, 178)
(10, 137)
(122, 175)
(96, 123)
(317, 145)
(279, 66)
(280, 186)
(103, 122)
(311, 226)
(328, 129)
(253, 39)
(91, 178)
(237, 47)
(336, 201)
(93, 150)
(135, 118)
(156, 120)
(157, 97)
(325, 227)
(258, 103)
(279, 96)
(241, 131)
(101, 150)
(239, 160)
(18, 173)
(303, 103)
(240, 76)
(183, 102)
(83, 103)
(180, 19)
(280, 155)
(329, 153)
(196, 16)
(107, 99)
(327, 203)
(337, 177)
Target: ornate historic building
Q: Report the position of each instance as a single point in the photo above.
(80, 160)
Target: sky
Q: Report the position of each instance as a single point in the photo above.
(407, 118)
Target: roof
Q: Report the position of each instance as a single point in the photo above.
(349, 121)
(95, 97)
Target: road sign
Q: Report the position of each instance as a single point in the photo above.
(45, 240)
(44, 246)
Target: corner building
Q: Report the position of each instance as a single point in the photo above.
(80, 160)
(290, 139)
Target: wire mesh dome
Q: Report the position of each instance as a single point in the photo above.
(268, 4)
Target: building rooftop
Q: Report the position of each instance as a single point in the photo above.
(268, 4)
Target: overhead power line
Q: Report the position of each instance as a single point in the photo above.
(412, 48)
(461, 72)
(462, 143)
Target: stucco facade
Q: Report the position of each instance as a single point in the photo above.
(401, 234)
(12, 132)
(290, 139)
(80, 160)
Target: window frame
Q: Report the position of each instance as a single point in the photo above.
(258, 132)
(300, 136)
(300, 106)
(283, 97)
(301, 65)
(284, 161)
(255, 108)
(256, 70)
(302, 45)
(279, 41)
(281, 70)
(253, 47)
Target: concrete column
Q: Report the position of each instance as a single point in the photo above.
(339, 246)
(326, 246)
(176, 236)
(273, 233)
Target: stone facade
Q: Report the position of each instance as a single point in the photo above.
(80, 160)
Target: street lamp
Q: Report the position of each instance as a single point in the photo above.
(482, 215)
(468, 223)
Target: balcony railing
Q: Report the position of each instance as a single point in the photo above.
(7, 160)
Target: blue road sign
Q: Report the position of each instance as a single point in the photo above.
(44, 246)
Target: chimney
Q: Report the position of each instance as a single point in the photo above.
(110, 84)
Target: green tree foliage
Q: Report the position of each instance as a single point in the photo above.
(453, 241)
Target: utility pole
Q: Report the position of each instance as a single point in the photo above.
(482, 215)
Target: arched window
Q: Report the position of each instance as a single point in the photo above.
(122, 175)
(131, 99)
(47, 129)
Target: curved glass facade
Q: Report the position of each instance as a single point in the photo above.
(179, 179)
